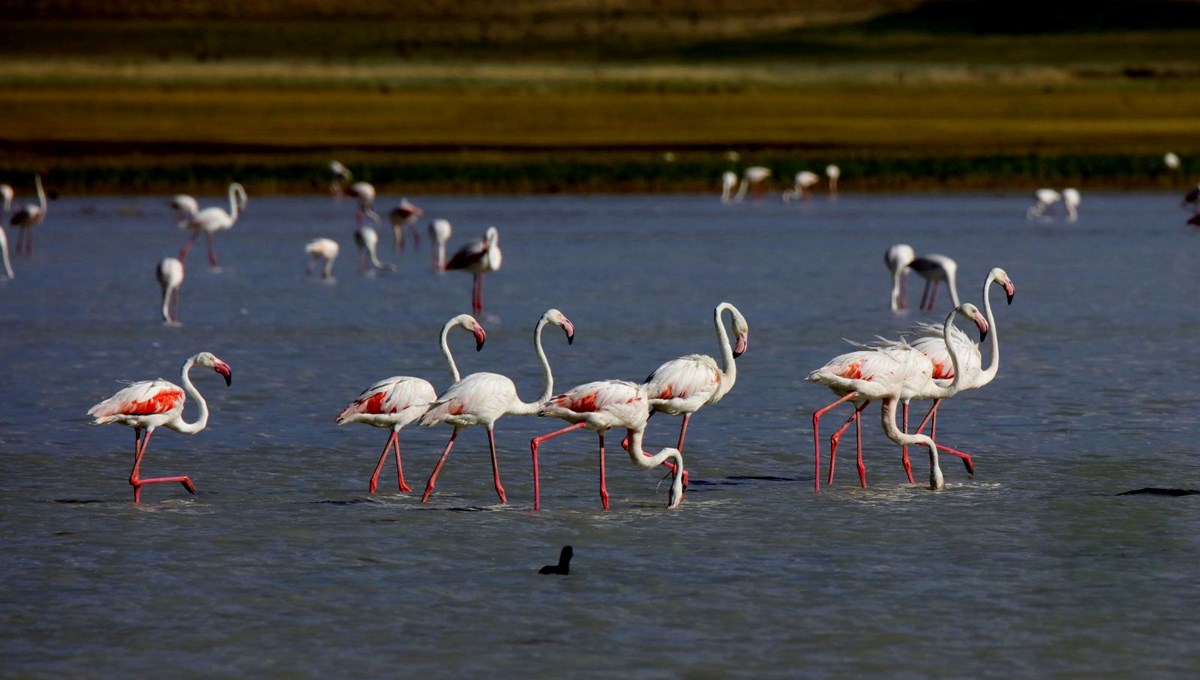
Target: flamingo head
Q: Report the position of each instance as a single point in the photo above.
(970, 311)
(208, 360)
(559, 319)
(480, 334)
(1001, 277)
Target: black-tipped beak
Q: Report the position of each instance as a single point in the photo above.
(480, 338)
(1010, 291)
(569, 329)
(739, 348)
(224, 371)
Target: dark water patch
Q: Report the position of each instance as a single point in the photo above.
(77, 501)
(1157, 491)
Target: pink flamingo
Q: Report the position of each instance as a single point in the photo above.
(170, 277)
(367, 240)
(397, 401)
(27, 217)
(362, 192)
(482, 398)
(479, 257)
(405, 214)
(683, 386)
(600, 406)
(211, 220)
(185, 208)
(881, 372)
(149, 404)
(802, 188)
(756, 175)
(898, 258)
(935, 269)
(4, 254)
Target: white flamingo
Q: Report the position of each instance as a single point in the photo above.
(756, 175)
(185, 208)
(482, 398)
(170, 277)
(729, 180)
(439, 232)
(27, 217)
(479, 257)
(882, 372)
(322, 250)
(397, 401)
(150, 404)
(212, 220)
(600, 406)
(8, 270)
(362, 192)
(802, 187)
(1071, 200)
(1043, 200)
(936, 269)
(405, 214)
(898, 258)
(683, 386)
(833, 172)
(367, 240)
(6, 196)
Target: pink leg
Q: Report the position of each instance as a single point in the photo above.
(379, 466)
(416, 236)
(400, 483)
(603, 476)
(438, 468)
(817, 438)
(533, 447)
(904, 449)
(931, 417)
(495, 465)
(187, 247)
(862, 467)
(477, 295)
(836, 438)
(135, 476)
(924, 295)
(933, 295)
(212, 251)
(903, 291)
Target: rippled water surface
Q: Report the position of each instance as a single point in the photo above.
(282, 565)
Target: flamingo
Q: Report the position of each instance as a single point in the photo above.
(323, 249)
(682, 386)
(170, 277)
(898, 258)
(975, 376)
(482, 398)
(833, 172)
(478, 257)
(367, 240)
(397, 401)
(185, 208)
(405, 214)
(27, 217)
(149, 404)
(1171, 160)
(935, 269)
(211, 220)
(1043, 200)
(439, 232)
(756, 175)
(362, 192)
(729, 180)
(1071, 200)
(802, 188)
(6, 194)
(880, 372)
(600, 406)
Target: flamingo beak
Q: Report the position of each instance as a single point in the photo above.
(569, 329)
(983, 327)
(740, 346)
(480, 337)
(1010, 291)
(223, 369)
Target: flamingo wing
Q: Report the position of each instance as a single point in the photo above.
(389, 398)
(469, 256)
(477, 398)
(604, 403)
(688, 377)
(146, 398)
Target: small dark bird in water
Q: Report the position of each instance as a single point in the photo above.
(564, 563)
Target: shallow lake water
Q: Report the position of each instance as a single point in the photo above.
(282, 565)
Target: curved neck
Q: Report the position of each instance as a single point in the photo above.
(166, 304)
(646, 461)
(40, 192)
(4, 253)
(887, 417)
(953, 387)
(989, 373)
(233, 202)
(728, 363)
(202, 416)
(522, 408)
(446, 351)
(896, 274)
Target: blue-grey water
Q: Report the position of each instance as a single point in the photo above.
(282, 565)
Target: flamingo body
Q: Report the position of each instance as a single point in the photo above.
(209, 221)
(440, 231)
(936, 269)
(478, 257)
(27, 217)
(322, 250)
(898, 258)
(405, 214)
(169, 273)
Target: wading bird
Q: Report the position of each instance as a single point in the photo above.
(322, 250)
(397, 401)
(898, 258)
(405, 214)
(480, 256)
(935, 269)
(367, 240)
(170, 277)
(27, 217)
(439, 233)
(483, 398)
(150, 404)
(211, 220)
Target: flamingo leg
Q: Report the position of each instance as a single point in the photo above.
(416, 235)
(862, 467)
(904, 449)
(400, 483)
(932, 417)
(817, 437)
(477, 294)
(187, 246)
(924, 295)
(135, 475)
(533, 447)
(379, 466)
(212, 251)
(933, 295)
(603, 474)
(836, 438)
(687, 417)
(903, 291)
(438, 468)
(495, 465)
(175, 301)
